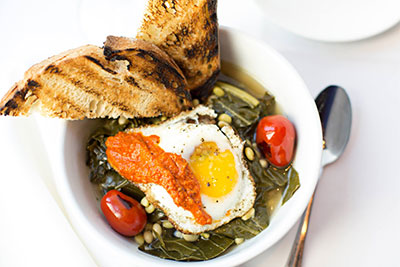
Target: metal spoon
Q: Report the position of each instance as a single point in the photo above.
(335, 112)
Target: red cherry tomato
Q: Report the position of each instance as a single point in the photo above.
(276, 136)
(123, 213)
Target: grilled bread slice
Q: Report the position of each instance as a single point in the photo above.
(128, 77)
(188, 31)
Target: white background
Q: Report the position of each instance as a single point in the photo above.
(356, 215)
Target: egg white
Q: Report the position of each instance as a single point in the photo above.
(179, 136)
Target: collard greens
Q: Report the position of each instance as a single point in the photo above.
(272, 184)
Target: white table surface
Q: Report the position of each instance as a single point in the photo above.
(356, 215)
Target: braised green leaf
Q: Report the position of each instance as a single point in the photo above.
(168, 246)
(270, 182)
(293, 184)
(101, 173)
(244, 115)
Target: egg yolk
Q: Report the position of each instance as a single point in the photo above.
(214, 169)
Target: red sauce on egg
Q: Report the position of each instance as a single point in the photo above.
(140, 159)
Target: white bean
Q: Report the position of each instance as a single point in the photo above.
(157, 228)
(190, 238)
(139, 239)
(239, 240)
(205, 235)
(167, 225)
(263, 163)
(218, 91)
(150, 208)
(178, 234)
(195, 102)
(148, 237)
(249, 153)
(145, 203)
(225, 117)
(122, 120)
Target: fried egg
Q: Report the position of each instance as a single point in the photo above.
(216, 158)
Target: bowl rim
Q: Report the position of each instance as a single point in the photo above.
(88, 233)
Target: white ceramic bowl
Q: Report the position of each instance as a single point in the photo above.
(67, 153)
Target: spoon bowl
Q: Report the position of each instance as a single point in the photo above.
(334, 108)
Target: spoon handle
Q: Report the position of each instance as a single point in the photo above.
(296, 254)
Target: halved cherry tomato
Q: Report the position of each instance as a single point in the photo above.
(276, 136)
(123, 213)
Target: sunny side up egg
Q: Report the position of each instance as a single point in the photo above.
(215, 157)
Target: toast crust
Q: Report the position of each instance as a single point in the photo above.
(86, 82)
(187, 31)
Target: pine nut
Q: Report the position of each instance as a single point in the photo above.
(145, 203)
(249, 214)
(167, 225)
(157, 228)
(139, 239)
(150, 208)
(249, 153)
(218, 91)
(239, 240)
(148, 237)
(190, 238)
(225, 117)
(263, 163)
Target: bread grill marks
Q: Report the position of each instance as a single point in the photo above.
(52, 69)
(15, 98)
(162, 71)
(165, 70)
(82, 82)
(95, 61)
(186, 30)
